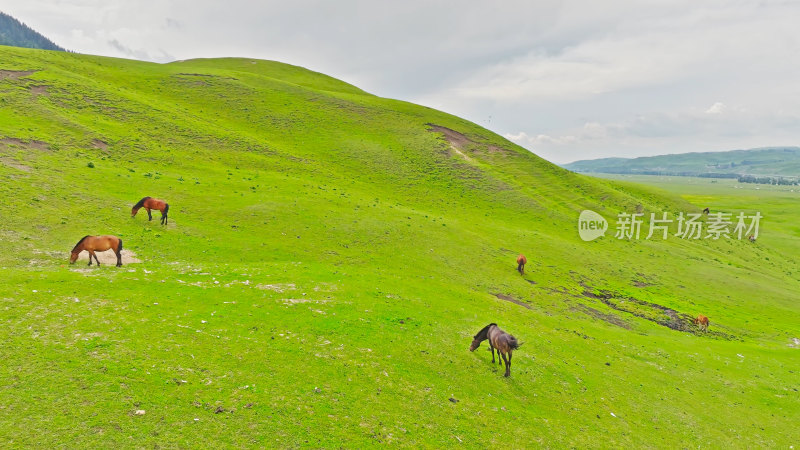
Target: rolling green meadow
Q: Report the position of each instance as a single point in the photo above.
(329, 256)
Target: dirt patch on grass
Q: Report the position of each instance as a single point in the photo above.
(13, 164)
(109, 257)
(281, 287)
(457, 141)
(511, 299)
(461, 144)
(453, 137)
(100, 145)
(15, 74)
(38, 90)
(653, 312)
(610, 318)
(33, 144)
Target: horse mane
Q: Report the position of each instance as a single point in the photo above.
(484, 330)
(79, 242)
(141, 203)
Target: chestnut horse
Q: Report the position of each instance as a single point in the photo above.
(149, 203)
(498, 339)
(702, 321)
(521, 261)
(97, 244)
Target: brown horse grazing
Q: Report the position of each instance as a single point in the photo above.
(498, 339)
(97, 244)
(706, 211)
(149, 203)
(521, 261)
(702, 321)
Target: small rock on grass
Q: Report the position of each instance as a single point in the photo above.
(453, 400)
(139, 412)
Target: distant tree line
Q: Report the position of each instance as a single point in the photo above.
(783, 181)
(777, 180)
(17, 34)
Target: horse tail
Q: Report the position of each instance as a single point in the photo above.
(79, 242)
(119, 246)
(141, 203)
(166, 208)
(512, 342)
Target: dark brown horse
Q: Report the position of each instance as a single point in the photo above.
(521, 261)
(706, 211)
(97, 244)
(498, 339)
(149, 203)
(702, 321)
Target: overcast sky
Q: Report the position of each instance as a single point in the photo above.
(566, 79)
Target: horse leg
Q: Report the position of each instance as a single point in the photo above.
(119, 258)
(149, 215)
(90, 258)
(96, 260)
(491, 348)
(163, 219)
(508, 366)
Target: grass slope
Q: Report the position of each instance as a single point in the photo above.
(329, 256)
(773, 161)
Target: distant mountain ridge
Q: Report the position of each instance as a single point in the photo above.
(767, 161)
(16, 34)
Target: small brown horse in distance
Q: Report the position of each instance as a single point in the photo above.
(521, 261)
(498, 339)
(97, 244)
(702, 321)
(149, 203)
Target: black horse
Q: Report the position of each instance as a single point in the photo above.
(498, 339)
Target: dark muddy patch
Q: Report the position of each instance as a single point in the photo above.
(33, 144)
(511, 299)
(653, 312)
(610, 318)
(642, 280)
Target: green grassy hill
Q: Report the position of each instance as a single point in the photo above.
(772, 161)
(329, 256)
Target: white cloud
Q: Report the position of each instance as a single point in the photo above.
(716, 108)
